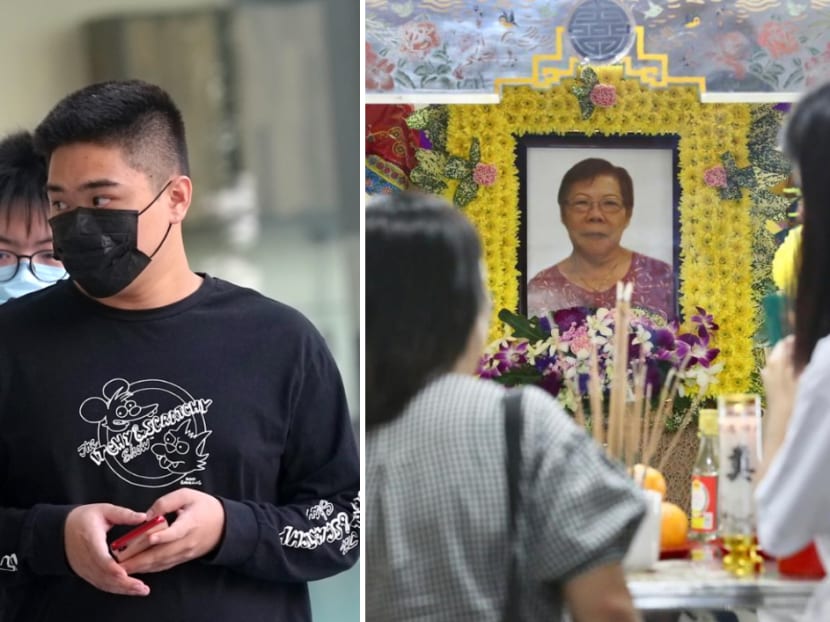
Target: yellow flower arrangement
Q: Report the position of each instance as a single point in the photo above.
(784, 263)
(717, 234)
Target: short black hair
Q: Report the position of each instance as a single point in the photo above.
(22, 180)
(138, 117)
(591, 168)
(807, 144)
(424, 294)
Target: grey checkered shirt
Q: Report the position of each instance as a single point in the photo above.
(436, 535)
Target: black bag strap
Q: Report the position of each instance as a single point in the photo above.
(513, 435)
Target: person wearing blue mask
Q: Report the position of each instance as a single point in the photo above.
(27, 263)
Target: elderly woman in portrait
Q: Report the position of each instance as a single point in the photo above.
(596, 200)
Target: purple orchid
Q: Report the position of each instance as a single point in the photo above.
(545, 325)
(511, 354)
(582, 383)
(552, 383)
(573, 316)
(546, 364)
(696, 349)
(705, 324)
(663, 339)
(569, 335)
(654, 376)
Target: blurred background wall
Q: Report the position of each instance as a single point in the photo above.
(269, 93)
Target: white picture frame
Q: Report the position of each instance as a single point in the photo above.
(542, 162)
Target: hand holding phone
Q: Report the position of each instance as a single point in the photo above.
(137, 540)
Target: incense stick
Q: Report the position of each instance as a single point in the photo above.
(687, 417)
(619, 379)
(595, 398)
(636, 424)
(635, 416)
(579, 411)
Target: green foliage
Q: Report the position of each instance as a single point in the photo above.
(436, 165)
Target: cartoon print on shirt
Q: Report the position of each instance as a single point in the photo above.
(175, 453)
(117, 408)
(150, 433)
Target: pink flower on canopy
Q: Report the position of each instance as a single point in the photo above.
(378, 71)
(779, 38)
(418, 39)
(817, 68)
(603, 95)
(715, 177)
(484, 174)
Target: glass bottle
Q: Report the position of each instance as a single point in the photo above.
(739, 419)
(704, 520)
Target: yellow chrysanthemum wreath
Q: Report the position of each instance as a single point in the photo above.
(716, 234)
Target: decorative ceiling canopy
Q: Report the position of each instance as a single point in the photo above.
(601, 31)
(467, 50)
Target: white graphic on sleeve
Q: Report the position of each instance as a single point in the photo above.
(8, 563)
(151, 433)
(323, 509)
(353, 539)
(342, 528)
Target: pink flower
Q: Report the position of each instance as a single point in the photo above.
(378, 71)
(817, 68)
(715, 177)
(732, 49)
(779, 38)
(418, 39)
(603, 95)
(577, 339)
(484, 174)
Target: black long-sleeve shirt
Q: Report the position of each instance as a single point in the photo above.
(226, 392)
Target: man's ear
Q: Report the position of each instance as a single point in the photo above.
(180, 193)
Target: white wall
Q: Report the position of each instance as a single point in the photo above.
(43, 53)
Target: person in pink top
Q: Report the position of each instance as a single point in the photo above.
(596, 200)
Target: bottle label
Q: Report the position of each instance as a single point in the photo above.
(704, 503)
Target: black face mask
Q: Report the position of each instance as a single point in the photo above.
(99, 247)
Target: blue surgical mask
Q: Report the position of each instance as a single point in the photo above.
(24, 282)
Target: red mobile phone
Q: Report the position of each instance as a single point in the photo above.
(135, 541)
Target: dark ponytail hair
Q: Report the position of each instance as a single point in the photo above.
(807, 144)
(423, 296)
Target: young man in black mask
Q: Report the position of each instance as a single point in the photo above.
(140, 389)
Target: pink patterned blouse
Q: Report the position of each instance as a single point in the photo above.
(653, 282)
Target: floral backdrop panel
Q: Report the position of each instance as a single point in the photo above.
(467, 46)
(734, 207)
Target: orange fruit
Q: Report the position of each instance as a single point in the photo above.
(674, 526)
(652, 479)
